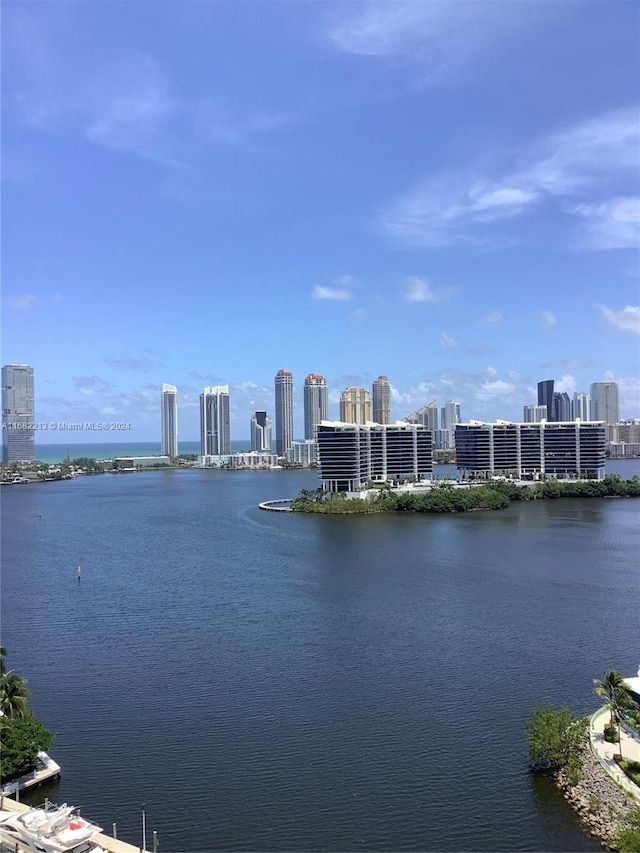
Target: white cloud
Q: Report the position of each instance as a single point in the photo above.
(598, 155)
(567, 383)
(344, 280)
(419, 289)
(323, 291)
(613, 224)
(448, 342)
(21, 301)
(627, 320)
(439, 36)
(496, 388)
(548, 319)
(629, 390)
(227, 125)
(130, 107)
(493, 318)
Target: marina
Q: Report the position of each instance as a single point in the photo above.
(53, 829)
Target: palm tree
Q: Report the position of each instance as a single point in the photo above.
(614, 688)
(13, 694)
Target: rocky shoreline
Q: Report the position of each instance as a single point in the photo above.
(599, 802)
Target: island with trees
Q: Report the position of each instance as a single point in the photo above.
(569, 748)
(450, 496)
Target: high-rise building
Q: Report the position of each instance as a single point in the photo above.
(426, 416)
(315, 404)
(545, 396)
(449, 417)
(355, 406)
(604, 402)
(530, 451)
(18, 414)
(561, 406)
(535, 414)
(284, 411)
(381, 400)
(260, 432)
(581, 406)
(215, 430)
(169, 412)
(352, 455)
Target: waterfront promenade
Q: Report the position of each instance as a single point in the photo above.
(604, 751)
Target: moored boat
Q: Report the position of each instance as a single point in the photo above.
(51, 830)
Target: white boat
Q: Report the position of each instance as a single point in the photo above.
(52, 830)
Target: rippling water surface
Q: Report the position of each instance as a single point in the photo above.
(266, 681)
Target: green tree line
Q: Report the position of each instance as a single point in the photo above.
(446, 498)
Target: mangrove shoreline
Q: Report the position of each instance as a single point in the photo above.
(450, 497)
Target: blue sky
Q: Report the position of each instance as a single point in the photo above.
(206, 192)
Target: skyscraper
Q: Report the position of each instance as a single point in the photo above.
(381, 400)
(169, 411)
(545, 396)
(284, 411)
(18, 414)
(561, 406)
(315, 404)
(427, 416)
(535, 414)
(215, 432)
(260, 432)
(582, 406)
(604, 402)
(355, 406)
(449, 417)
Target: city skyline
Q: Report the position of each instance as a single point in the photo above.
(445, 196)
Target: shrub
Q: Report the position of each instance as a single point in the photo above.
(555, 740)
(627, 839)
(611, 733)
(630, 768)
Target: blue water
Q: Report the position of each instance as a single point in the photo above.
(268, 681)
(107, 450)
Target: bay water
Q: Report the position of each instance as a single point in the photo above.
(277, 681)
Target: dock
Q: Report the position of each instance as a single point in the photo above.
(46, 770)
(282, 505)
(112, 845)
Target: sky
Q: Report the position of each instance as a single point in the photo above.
(204, 193)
